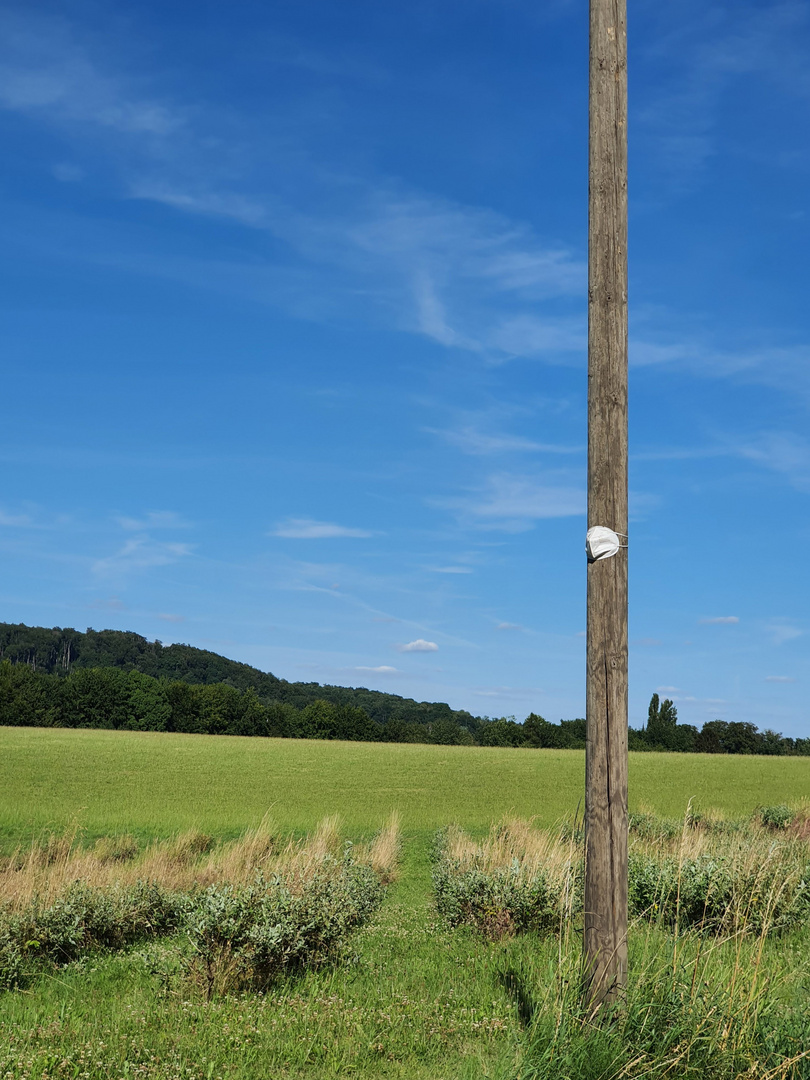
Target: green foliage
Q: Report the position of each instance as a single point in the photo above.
(240, 936)
(717, 893)
(246, 937)
(117, 679)
(694, 1021)
(420, 1000)
(80, 920)
(776, 817)
(502, 901)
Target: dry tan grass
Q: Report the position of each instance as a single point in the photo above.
(751, 845)
(382, 853)
(800, 826)
(520, 843)
(767, 864)
(186, 861)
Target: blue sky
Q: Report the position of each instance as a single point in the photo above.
(294, 328)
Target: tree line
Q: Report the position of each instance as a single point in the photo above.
(113, 679)
(133, 701)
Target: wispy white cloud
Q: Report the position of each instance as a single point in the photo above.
(154, 519)
(167, 617)
(46, 72)
(464, 276)
(783, 630)
(420, 645)
(309, 529)
(15, 521)
(513, 502)
(450, 569)
(109, 603)
(719, 620)
(514, 693)
(140, 553)
(510, 626)
(707, 52)
(782, 452)
(430, 266)
(780, 678)
(775, 365)
(382, 669)
(472, 441)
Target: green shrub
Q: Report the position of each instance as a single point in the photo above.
(651, 827)
(775, 817)
(740, 882)
(244, 937)
(711, 892)
(80, 920)
(503, 901)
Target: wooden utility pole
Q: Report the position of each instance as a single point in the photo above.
(605, 944)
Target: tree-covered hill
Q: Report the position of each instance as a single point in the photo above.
(59, 650)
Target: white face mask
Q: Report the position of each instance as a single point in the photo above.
(602, 543)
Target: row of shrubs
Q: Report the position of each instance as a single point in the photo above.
(749, 883)
(234, 936)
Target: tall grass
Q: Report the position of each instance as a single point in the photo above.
(519, 878)
(250, 908)
(721, 876)
(689, 1012)
(189, 860)
(705, 896)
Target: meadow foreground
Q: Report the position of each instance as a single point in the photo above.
(410, 989)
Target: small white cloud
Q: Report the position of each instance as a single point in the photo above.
(509, 626)
(308, 529)
(667, 689)
(420, 645)
(166, 617)
(383, 669)
(720, 620)
(154, 519)
(779, 678)
(450, 569)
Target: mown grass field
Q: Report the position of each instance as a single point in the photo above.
(155, 784)
(413, 999)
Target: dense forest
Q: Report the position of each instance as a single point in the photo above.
(115, 679)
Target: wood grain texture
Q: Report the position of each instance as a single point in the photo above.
(605, 939)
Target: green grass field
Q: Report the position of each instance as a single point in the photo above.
(414, 1000)
(153, 784)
